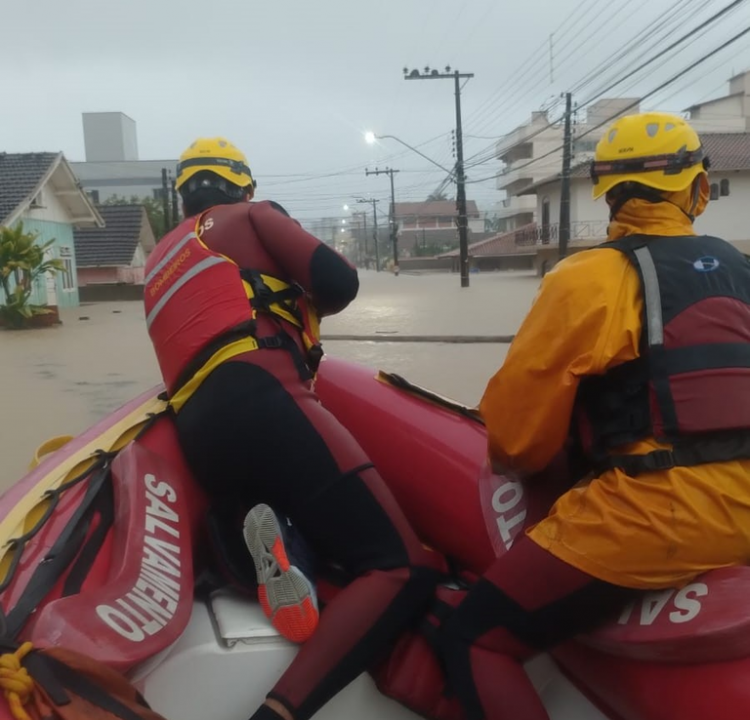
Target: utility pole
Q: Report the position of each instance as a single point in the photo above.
(392, 214)
(165, 198)
(175, 206)
(565, 190)
(363, 244)
(463, 227)
(374, 202)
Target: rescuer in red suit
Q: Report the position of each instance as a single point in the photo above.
(233, 296)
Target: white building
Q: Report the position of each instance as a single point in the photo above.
(533, 151)
(725, 217)
(112, 166)
(729, 113)
(109, 136)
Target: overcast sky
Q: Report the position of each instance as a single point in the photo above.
(296, 84)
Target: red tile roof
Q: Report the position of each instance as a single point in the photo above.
(728, 151)
(434, 208)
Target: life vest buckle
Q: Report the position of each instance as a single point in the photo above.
(659, 460)
(271, 342)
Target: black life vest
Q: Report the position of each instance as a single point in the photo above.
(690, 387)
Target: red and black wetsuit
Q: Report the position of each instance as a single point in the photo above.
(254, 431)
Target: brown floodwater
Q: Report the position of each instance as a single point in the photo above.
(59, 381)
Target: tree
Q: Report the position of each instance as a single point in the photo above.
(22, 261)
(437, 197)
(154, 210)
(492, 224)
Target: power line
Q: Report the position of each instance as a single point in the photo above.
(661, 87)
(530, 89)
(486, 157)
(519, 75)
(706, 23)
(659, 25)
(489, 153)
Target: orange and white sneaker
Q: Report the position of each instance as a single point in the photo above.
(287, 596)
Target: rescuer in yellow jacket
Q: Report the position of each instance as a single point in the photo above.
(639, 350)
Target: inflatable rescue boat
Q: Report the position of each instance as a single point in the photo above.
(102, 542)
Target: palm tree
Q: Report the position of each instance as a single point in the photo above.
(22, 262)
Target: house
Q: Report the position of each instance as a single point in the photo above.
(41, 191)
(432, 223)
(533, 151)
(726, 215)
(536, 245)
(116, 253)
(729, 113)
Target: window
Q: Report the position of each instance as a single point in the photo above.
(68, 279)
(38, 201)
(714, 191)
(67, 275)
(724, 187)
(583, 146)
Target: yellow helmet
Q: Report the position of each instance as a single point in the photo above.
(218, 156)
(655, 149)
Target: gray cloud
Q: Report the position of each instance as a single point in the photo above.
(295, 84)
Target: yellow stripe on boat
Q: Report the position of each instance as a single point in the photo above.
(30, 507)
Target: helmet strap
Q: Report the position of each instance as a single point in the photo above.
(633, 191)
(696, 198)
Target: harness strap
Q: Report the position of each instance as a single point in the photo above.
(241, 331)
(283, 341)
(264, 297)
(104, 505)
(58, 558)
(700, 452)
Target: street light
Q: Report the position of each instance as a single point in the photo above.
(371, 137)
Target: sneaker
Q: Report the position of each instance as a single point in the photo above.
(286, 595)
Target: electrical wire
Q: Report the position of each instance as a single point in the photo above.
(656, 90)
(700, 29)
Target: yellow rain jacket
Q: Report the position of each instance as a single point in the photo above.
(657, 530)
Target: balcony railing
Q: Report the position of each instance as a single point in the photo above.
(580, 230)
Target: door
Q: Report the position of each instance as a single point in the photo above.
(49, 254)
(545, 221)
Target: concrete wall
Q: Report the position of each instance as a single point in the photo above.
(726, 107)
(109, 293)
(728, 217)
(509, 262)
(425, 264)
(110, 276)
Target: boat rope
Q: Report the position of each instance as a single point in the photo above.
(15, 681)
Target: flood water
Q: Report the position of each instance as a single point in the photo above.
(59, 381)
